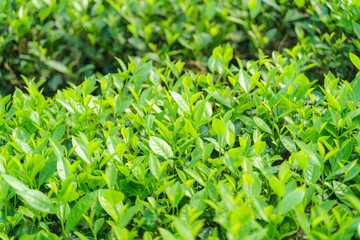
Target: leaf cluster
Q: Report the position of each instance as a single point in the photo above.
(65, 41)
(252, 150)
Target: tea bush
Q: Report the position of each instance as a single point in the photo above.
(68, 40)
(252, 150)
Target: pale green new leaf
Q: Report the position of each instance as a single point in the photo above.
(37, 200)
(166, 234)
(244, 80)
(290, 201)
(277, 186)
(81, 150)
(113, 196)
(15, 183)
(62, 167)
(183, 228)
(154, 166)
(288, 143)
(355, 60)
(219, 126)
(262, 124)
(314, 159)
(160, 147)
(196, 176)
(180, 101)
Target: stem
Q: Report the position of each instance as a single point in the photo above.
(63, 228)
(94, 234)
(323, 185)
(220, 148)
(32, 225)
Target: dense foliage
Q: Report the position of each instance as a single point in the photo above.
(254, 150)
(66, 40)
(158, 119)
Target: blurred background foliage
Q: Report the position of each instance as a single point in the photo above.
(68, 40)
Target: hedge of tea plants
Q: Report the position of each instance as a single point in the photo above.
(65, 41)
(253, 150)
(171, 119)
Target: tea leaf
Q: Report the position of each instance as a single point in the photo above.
(290, 201)
(183, 228)
(15, 183)
(81, 150)
(154, 166)
(37, 200)
(181, 102)
(219, 126)
(160, 147)
(288, 143)
(355, 60)
(80, 208)
(244, 80)
(262, 125)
